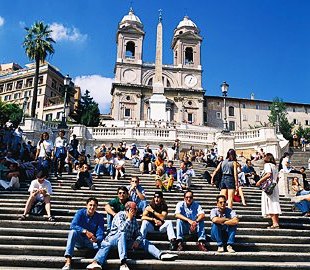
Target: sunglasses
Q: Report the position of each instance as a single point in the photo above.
(157, 197)
(189, 197)
(222, 202)
(121, 193)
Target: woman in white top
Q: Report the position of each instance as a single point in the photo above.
(44, 153)
(270, 203)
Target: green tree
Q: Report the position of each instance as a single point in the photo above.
(10, 111)
(278, 109)
(303, 132)
(87, 112)
(38, 44)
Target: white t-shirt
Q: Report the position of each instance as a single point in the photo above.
(118, 162)
(285, 162)
(36, 185)
(48, 148)
(61, 142)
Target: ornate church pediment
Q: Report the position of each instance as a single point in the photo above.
(131, 29)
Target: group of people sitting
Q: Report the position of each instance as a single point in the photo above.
(125, 233)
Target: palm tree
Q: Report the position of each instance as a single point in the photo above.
(38, 44)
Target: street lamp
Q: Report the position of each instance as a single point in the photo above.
(276, 108)
(224, 88)
(63, 124)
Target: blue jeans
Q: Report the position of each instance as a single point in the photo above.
(303, 206)
(223, 234)
(101, 168)
(147, 226)
(79, 240)
(43, 164)
(141, 206)
(119, 241)
(183, 229)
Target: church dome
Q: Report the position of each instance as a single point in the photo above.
(186, 22)
(130, 18)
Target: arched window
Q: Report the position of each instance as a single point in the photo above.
(130, 49)
(231, 111)
(150, 82)
(189, 56)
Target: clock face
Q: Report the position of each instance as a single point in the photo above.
(190, 80)
(129, 75)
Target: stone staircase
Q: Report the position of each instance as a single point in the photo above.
(38, 244)
(300, 158)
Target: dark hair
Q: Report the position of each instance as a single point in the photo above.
(171, 161)
(136, 177)
(220, 196)
(269, 158)
(188, 190)
(41, 137)
(247, 160)
(92, 199)
(161, 145)
(159, 194)
(123, 188)
(231, 155)
(42, 174)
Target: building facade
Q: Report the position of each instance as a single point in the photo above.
(133, 86)
(17, 83)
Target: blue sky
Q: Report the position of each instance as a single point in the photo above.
(260, 46)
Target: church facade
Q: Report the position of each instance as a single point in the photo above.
(135, 80)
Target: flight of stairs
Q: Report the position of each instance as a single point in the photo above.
(39, 244)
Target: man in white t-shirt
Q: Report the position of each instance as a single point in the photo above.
(44, 153)
(40, 190)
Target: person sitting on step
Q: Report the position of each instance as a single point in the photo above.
(137, 194)
(116, 205)
(224, 225)
(40, 190)
(190, 219)
(125, 234)
(119, 166)
(84, 179)
(162, 180)
(153, 219)
(86, 230)
(302, 200)
(184, 177)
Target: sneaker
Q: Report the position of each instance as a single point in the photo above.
(173, 245)
(168, 257)
(66, 267)
(220, 249)
(124, 266)
(202, 246)
(93, 187)
(239, 217)
(230, 249)
(180, 246)
(94, 266)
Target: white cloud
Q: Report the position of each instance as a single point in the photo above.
(99, 87)
(1, 21)
(22, 24)
(60, 32)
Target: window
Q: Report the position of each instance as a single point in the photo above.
(168, 83)
(127, 112)
(128, 98)
(48, 117)
(16, 95)
(269, 108)
(244, 117)
(130, 49)
(306, 109)
(38, 104)
(218, 115)
(1, 88)
(257, 118)
(9, 86)
(54, 83)
(40, 80)
(39, 91)
(189, 55)
(205, 117)
(29, 82)
(307, 122)
(295, 121)
(243, 105)
(150, 82)
(294, 110)
(19, 85)
(7, 97)
(257, 107)
(58, 115)
(190, 118)
(231, 111)
(231, 125)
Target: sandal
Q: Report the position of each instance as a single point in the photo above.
(51, 218)
(22, 217)
(274, 227)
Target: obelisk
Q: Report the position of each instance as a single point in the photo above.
(158, 101)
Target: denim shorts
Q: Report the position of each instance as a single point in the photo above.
(228, 182)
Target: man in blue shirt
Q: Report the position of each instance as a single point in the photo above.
(137, 194)
(125, 233)
(224, 225)
(190, 219)
(87, 230)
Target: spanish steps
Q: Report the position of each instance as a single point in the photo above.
(38, 244)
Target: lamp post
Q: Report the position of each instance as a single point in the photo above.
(224, 88)
(63, 123)
(24, 108)
(276, 108)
